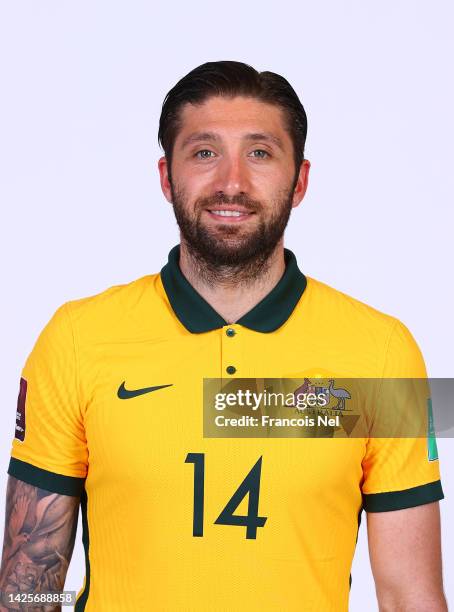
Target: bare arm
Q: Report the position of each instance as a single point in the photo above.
(405, 555)
(40, 529)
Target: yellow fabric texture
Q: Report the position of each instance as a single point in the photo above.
(133, 453)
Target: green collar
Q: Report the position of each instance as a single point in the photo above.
(198, 316)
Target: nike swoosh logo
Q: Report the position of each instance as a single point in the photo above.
(128, 393)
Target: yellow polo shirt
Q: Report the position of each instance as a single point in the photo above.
(111, 409)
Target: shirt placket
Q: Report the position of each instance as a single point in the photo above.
(231, 351)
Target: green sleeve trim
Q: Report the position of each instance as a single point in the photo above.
(50, 481)
(398, 500)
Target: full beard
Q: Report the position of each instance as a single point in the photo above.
(229, 254)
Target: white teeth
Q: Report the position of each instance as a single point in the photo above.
(227, 213)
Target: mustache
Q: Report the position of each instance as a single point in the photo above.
(240, 199)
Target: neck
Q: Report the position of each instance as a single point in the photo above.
(233, 292)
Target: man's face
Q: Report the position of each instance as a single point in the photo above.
(233, 179)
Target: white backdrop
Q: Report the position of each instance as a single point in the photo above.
(82, 85)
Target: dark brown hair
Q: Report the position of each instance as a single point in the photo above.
(229, 79)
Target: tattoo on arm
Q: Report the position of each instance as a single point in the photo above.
(40, 529)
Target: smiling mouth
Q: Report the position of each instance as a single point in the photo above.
(229, 213)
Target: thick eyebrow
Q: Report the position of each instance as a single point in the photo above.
(266, 137)
(212, 137)
(199, 137)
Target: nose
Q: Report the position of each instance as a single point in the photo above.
(232, 176)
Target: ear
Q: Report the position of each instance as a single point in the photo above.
(301, 184)
(164, 178)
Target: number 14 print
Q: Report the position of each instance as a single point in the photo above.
(250, 485)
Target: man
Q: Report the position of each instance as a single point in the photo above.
(111, 402)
